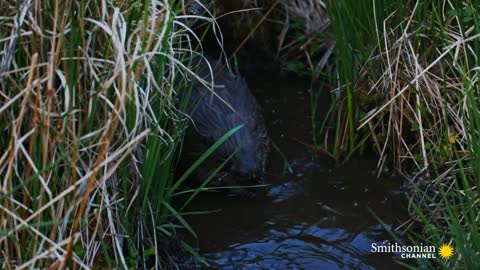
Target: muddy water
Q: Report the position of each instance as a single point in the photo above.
(319, 217)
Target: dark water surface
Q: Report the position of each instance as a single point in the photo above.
(316, 218)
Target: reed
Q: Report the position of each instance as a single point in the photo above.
(92, 125)
(406, 88)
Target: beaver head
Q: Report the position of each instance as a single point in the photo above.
(252, 146)
(217, 110)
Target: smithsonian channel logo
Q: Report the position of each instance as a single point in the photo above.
(445, 251)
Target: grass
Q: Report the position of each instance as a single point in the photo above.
(92, 125)
(406, 87)
(92, 121)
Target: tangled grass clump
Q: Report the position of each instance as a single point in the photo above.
(91, 128)
(407, 87)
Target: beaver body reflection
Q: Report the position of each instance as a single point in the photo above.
(216, 110)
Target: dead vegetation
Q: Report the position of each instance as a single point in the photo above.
(83, 85)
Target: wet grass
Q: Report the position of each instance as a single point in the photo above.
(92, 126)
(406, 87)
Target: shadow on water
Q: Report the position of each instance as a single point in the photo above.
(316, 218)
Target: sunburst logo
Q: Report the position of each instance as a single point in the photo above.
(445, 251)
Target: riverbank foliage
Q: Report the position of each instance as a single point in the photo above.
(91, 125)
(406, 86)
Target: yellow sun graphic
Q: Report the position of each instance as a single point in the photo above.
(445, 251)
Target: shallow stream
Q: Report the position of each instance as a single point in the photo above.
(320, 217)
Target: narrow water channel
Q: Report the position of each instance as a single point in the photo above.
(319, 217)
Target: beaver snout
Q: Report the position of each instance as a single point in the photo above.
(255, 177)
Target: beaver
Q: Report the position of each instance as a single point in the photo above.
(216, 110)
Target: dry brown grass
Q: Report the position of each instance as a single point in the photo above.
(408, 88)
(423, 113)
(78, 80)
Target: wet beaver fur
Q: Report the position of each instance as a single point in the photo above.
(214, 112)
